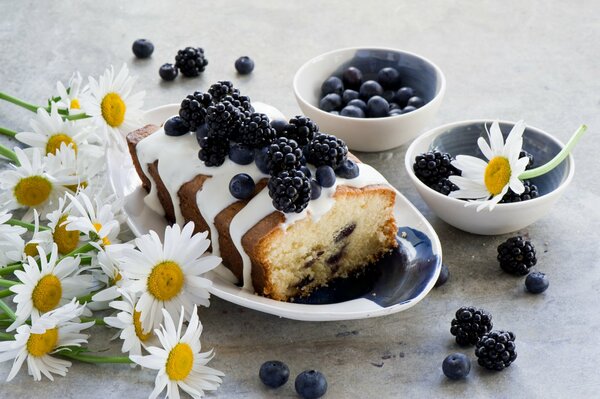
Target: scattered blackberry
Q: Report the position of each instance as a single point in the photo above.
(301, 129)
(213, 150)
(325, 149)
(242, 103)
(222, 120)
(221, 89)
(524, 153)
(444, 186)
(496, 350)
(193, 109)
(516, 256)
(256, 131)
(283, 154)
(433, 166)
(470, 324)
(290, 191)
(191, 61)
(531, 192)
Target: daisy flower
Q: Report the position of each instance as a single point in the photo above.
(7, 229)
(168, 275)
(32, 184)
(70, 96)
(109, 274)
(487, 182)
(17, 250)
(46, 335)
(45, 286)
(78, 170)
(179, 362)
(97, 223)
(111, 104)
(10, 238)
(66, 240)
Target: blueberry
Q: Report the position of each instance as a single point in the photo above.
(416, 102)
(334, 112)
(244, 65)
(201, 132)
(395, 112)
(176, 126)
(325, 176)
(142, 48)
(349, 95)
(333, 84)
(279, 125)
(348, 169)
(352, 111)
(388, 78)
(352, 78)
(443, 277)
(260, 158)
(241, 154)
(274, 373)
(359, 103)
(407, 109)
(306, 171)
(168, 72)
(536, 282)
(394, 106)
(403, 94)
(369, 89)
(311, 384)
(388, 95)
(456, 366)
(315, 189)
(241, 186)
(331, 102)
(377, 107)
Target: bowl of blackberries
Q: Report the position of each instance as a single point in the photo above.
(429, 165)
(374, 99)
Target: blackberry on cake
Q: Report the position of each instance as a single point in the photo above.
(300, 129)
(530, 192)
(191, 61)
(432, 166)
(516, 256)
(290, 191)
(496, 350)
(256, 131)
(194, 108)
(222, 88)
(222, 119)
(201, 132)
(470, 324)
(213, 150)
(326, 149)
(241, 102)
(283, 154)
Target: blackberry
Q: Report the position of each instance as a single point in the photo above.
(290, 191)
(191, 61)
(256, 131)
(531, 192)
(222, 119)
(444, 186)
(432, 166)
(242, 103)
(325, 149)
(193, 109)
(221, 89)
(470, 324)
(283, 154)
(301, 129)
(516, 256)
(496, 350)
(524, 153)
(213, 150)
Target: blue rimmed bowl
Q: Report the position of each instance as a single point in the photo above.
(461, 138)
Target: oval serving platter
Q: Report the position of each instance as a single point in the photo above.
(398, 281)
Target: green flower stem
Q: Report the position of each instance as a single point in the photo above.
(5, 152)
(11, 268)
(7, 283)
(96, 359)
(9, 312)
(81, 250)
(6, 337)
(7, 132)
(28, 226)
(5, 293)
(76, 117)
(20, 103)
(86, 298)
(554, 162)
(99, 322)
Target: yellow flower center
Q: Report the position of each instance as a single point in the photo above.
(55, 141)
(41, 344)
(138, 327)
(31, 249)
(47, 293)
(105, 240)
(497, 175)
(65, 240)
(116, 279)
(113, 109)
(75, 104)
(165, 280)
(75, 187)
(180, 362)
(32, 190)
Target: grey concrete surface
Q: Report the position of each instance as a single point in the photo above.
(535, 60)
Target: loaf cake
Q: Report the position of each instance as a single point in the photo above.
(278, 241)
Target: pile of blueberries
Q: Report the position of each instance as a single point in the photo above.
(353, 96)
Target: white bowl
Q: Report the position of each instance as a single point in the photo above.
(461, 138)
(371, 134)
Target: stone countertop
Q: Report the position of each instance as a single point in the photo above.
(534, 60)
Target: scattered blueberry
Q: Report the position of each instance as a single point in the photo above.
(260, 158)
(443, 277)
(306, 171)
(241, 186)
(388, 77)
(332, 85)
(331, 102)
(311, 384)
(359, 103)
(369, 89)
(388, 95)
(536, 282)
(403, 94)
(274, 373)
(352, 111)
(416, 102)
(315, 189)
(244, 65)
(279, 125)
(201, 132)
(168, 72)
(352, 78)
(377, 107)
(456, 366)
(241, 154)
(348, 169)
(407, 109)
(349, 95)
(394, 112)
(142, 48)
(325, 176)
(176, 126)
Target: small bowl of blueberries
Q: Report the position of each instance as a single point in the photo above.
(375, 99)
